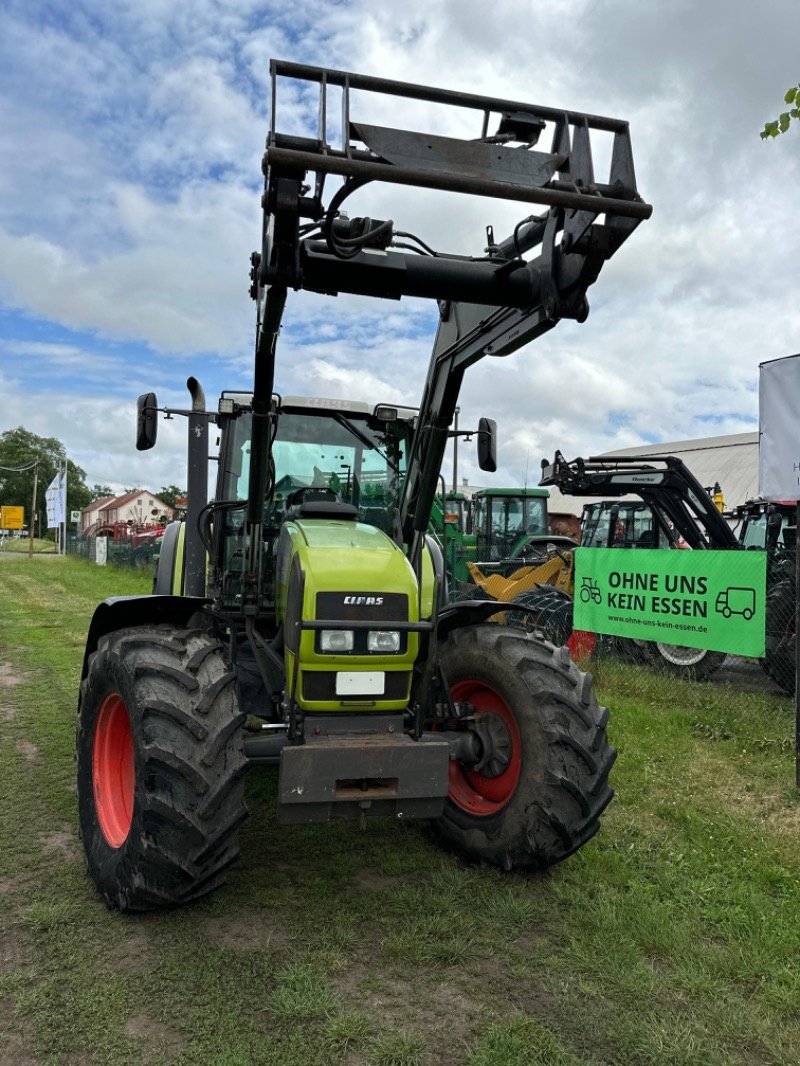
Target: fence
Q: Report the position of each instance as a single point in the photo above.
(548, 613)
(117, 553)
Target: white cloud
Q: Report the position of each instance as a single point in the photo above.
(129, 202)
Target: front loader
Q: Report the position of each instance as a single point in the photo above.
(301, 617)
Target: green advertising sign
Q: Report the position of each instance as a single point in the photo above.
(700, 599)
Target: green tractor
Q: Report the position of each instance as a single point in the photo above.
(771, 526)
(301, 618)
(502, 529)
(451, 525)
(510, 523)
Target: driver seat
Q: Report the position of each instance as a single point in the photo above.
(310, 502)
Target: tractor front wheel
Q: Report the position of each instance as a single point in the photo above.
(537, 792)
(160, 766)
(694, 664)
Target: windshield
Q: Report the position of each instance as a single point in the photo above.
(754, 533)
(517, 514)
(349, 458)
(634, 527)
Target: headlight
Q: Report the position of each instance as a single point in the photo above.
(383, 640)
(333, 640)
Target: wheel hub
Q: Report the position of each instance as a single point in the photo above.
(496, 745)
(485, 786)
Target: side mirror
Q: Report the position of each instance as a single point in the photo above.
(146, 421)
(487, 444)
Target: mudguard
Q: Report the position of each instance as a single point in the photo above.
(170, 576)
(122, 612)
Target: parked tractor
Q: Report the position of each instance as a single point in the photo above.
(771, 526)
(672, 510)
(451, 525)
(498, 527)
(301, 617)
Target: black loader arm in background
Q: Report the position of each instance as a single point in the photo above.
(662, 481)
(492, 303)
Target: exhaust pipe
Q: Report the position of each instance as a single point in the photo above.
(197, 491)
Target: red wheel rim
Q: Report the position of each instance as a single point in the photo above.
(474, 792)
(112, 770)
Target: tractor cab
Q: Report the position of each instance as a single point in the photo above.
(507, 521)
(624, 524)
(766, 524)
(770, 526)
(331, 459)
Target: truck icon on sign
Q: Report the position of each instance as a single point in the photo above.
(733, 600)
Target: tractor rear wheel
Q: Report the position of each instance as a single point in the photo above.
(537, 793)
(779, 656)
(160, 766)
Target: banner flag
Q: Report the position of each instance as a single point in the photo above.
(56, 498)
(698, 599)
(779, 429)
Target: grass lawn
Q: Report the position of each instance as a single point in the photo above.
(672, 938)
(22, 546)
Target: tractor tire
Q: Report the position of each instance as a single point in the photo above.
(160, 760)
(779, 655)
(553, 617)
(553, 620)
(693, 664)
(542, 797)
(626, 649)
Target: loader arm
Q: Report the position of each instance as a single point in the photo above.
(662, 481)
(492, 303)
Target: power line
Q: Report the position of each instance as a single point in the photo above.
(19, 469)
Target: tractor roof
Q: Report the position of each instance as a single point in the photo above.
(382, 411)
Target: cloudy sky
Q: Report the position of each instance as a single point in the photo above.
(130, 149)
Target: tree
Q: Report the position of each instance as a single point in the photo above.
(783, 121)
(97, 492)
(19, 449)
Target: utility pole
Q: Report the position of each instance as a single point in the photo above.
(32, 521)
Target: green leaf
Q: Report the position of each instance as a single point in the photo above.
(784, 121)
(770, 130)
(791, 95)
(795, 113)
